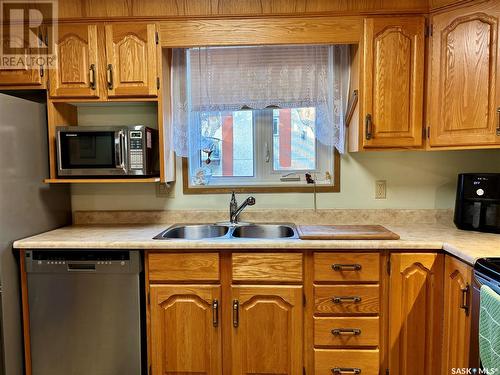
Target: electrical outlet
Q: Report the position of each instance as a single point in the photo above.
(164, 190)
(380, 189)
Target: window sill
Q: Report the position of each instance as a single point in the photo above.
(283, 187)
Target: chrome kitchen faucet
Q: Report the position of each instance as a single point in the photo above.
(234, 210)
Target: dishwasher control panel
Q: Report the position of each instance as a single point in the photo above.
(81, 261)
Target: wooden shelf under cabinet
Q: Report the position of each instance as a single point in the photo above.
(100, 180)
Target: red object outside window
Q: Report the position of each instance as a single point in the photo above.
(227, 144)
(285, 139)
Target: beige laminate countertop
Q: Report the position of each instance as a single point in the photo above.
(466, 245)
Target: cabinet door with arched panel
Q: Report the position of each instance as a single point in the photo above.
(185, 329)
(267, 335)
(393, 81)
(464, 92)
(131, 60)
(457, 317)
(77, 67)
(415, 313)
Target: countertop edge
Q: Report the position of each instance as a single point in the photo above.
(277, 245)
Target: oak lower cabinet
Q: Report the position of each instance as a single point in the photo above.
(393, 76)
(415, 313)
(464, 87)
(457, 317)
(210, 313)
(267, 335)
(346, 313)
(312, 312)
(186, 333)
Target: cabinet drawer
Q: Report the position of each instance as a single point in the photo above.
(362, 331)
(346, 299)
(183, 267)
(267, 267)
(338, 362)
(341, 267)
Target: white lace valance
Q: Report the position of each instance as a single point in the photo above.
(232, 78)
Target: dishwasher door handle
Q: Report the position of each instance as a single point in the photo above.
(81, 267)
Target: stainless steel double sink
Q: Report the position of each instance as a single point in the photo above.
(228, 231)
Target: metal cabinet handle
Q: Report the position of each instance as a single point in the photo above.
(464, 304)
(215, 313)
(40, 42)
(109, 76)
(346, 299)
(346, 267)
(346, 331)
(498, 121)
(346, 370)
(368, 127)
(236, 313)
(92, 76)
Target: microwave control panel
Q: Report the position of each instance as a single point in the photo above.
(136, 149)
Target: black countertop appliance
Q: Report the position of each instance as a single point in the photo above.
(477, 205)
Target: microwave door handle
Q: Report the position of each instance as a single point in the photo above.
(120, 149)
(122, 145)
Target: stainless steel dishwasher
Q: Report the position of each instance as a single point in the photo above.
(85, 312)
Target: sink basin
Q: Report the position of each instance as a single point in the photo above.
(194, 232)
(264, 231)
(214, 231)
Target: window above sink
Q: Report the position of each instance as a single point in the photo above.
(259, 118)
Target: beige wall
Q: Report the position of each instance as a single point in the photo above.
(414, 180)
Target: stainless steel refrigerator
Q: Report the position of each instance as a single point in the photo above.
(27, 207)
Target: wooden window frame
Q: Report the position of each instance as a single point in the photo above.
(221, 189)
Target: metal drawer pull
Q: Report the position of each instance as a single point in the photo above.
(464, 304)
(236, 313)
(346, 267)
(498, 121)
(215, 312)
(92, 76)
(346, 331)
(368, 127)
(346, 370)
(346, 299)
(109, 76)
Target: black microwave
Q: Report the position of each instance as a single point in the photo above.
(111, 151)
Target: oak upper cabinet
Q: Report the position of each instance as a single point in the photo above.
(457, 321)
(185, 329)
(415, 313)
(267, 335)
(393, 71)
(131, 60)
(463, 80)
(22, 77)
(76, 73)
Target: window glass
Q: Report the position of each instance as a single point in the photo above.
(294, 139)
(227, 143)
